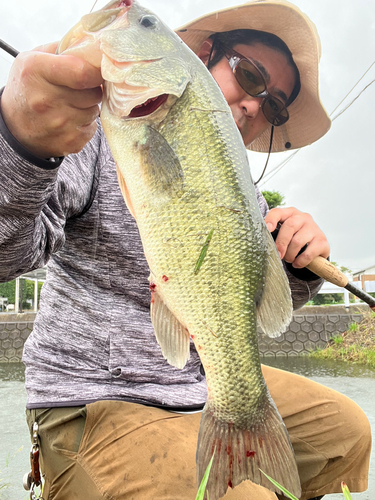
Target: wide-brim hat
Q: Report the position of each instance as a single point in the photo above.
(308, 119)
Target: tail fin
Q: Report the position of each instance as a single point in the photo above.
(240, 453)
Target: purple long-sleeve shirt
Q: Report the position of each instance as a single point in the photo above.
(92, 338)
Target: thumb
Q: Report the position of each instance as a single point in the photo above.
(48, 47)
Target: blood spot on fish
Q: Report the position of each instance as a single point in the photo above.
(152, 287)
(230, 484)
(126, 3)
(250, 454)
(165, 278)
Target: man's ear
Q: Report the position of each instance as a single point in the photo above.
(205, 50)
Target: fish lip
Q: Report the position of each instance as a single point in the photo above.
(148, 107)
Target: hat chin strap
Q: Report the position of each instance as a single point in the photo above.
(268, 156)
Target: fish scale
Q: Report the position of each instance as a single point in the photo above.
(215, 272)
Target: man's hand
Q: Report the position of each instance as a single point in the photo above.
(297, 229)
(50, 102)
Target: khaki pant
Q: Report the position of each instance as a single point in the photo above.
(115, 450)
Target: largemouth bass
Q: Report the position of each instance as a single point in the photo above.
(183, 170)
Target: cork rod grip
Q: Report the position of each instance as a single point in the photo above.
(323, 268)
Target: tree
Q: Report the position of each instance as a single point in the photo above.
(273, 198)
(327, 298)
(8, 290)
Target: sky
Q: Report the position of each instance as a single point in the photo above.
(333, 179)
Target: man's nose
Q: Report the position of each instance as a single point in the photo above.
(251, 106)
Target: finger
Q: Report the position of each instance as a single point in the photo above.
(47, 48)
(65, 70)
(276, 215)
(84, 99)
(297, 244)
(318, 246)
(71, 119)
(287, 232)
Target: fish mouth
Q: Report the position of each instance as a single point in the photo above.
(148, 107)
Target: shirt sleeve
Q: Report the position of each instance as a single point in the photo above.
(304, 284)
(36, 197)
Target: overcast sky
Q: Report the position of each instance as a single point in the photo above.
(333, 179)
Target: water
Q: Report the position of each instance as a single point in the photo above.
(15, 440)
(355, 381)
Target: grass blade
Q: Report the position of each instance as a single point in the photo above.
(281, 488)
(203, 252)
(346, 491)
(202, 487)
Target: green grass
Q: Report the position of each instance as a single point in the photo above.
(356, 345)
(354, 353)
(353, 327)
(338, 340)
(202, 486)
(345, 489)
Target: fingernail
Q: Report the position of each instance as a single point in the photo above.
(270, 227)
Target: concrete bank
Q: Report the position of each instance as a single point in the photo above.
(312, 327)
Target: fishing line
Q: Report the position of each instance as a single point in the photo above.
(281, 165)
(342, 100)
(92, 8)
(348, 106)
(5, 59)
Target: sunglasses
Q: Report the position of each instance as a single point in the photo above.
(250, 78)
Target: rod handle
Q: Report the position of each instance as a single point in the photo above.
(323, 268)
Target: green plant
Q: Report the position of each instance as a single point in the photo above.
(338, 340)
(353, 327)
(273, 198)
(345, 489)
(202, 486)
(281, 488)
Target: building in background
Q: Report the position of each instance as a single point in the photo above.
(367, 278)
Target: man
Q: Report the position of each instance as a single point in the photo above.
(115, 420)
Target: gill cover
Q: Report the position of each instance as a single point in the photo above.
(138, 57)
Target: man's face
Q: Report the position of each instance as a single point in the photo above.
(246, 110)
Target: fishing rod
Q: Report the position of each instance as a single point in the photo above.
(326, 270)
(323, 268)
(320, 266)
(8, 48)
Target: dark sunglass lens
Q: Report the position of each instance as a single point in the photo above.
(249, 78)
(275, 111)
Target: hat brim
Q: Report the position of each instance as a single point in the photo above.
(308, 120)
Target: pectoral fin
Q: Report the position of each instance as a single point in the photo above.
(160, 164)
(171, 335)
(275, 306)
(125, 191)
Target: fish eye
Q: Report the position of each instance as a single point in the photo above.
(148, 21)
